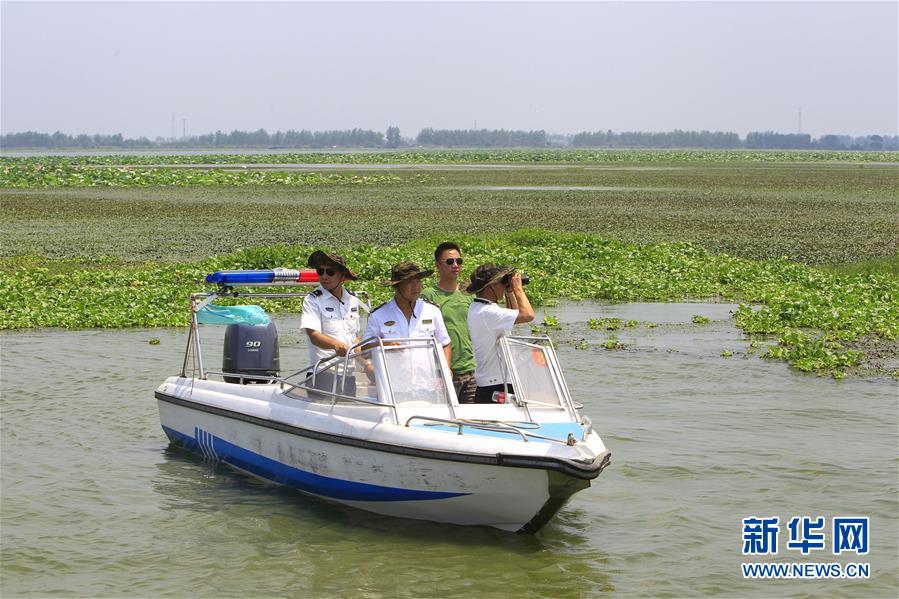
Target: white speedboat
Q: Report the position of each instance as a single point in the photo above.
(396, 443)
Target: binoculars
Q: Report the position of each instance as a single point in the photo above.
(524, 279)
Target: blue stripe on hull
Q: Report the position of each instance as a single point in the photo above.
(218, 449)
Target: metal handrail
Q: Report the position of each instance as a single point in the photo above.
(283, 381)
(588, 426)
(519, 399)
(491, 425)
(502, 428)
(247, 377)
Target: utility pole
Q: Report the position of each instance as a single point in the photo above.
(173, 126)
(799, 129)
(184, 128)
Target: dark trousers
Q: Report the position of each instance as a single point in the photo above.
(325, 382)
(485, 394)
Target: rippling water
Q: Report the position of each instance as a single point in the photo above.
(94, 503)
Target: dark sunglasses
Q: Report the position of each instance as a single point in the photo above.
(322, 271)
(449, 261)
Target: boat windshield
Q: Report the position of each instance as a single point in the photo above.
(409, 373)
(535, 373)
(412, 371)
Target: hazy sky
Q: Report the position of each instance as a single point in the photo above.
(126, 67)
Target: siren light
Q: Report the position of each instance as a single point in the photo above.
(277, 276)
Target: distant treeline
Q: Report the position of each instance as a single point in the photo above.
(727, 140)
(482, 138)
(33, 139)
(671, 139)
(469, 138)
(353, 138)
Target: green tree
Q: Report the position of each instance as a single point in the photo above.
(393, 137)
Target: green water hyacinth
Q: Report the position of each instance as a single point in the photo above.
(609, 324)
(810, 353)
(442, 156)
(829, 309)
(36, 174)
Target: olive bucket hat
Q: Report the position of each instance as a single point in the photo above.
(487, 274)
(406, 270)
(320, 258)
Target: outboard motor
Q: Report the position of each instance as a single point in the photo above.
(251, 349)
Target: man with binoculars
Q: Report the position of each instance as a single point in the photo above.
(487, 322)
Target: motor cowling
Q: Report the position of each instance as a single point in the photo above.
(251, 350)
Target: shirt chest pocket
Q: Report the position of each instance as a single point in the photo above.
(390, 331)
(425, 330)
(332, 324)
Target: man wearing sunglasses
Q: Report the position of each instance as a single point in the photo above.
(331, 316)
(454, 306)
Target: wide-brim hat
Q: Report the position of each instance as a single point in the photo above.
(320, 258)
(487, 274)
(406, 270)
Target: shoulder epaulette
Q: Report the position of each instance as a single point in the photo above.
(376, 308)
(316, 293)
(427, 301)
(351, 292)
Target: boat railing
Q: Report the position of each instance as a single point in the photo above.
(497, 426)
(523, 429)
(588, 425)
(242, 379)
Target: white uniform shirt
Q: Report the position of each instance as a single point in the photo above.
(487, 322)
(335, 318)
(388, 322)
(414, 374)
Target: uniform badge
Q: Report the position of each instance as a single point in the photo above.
(428, 321)
(329, 308)
(389, 323)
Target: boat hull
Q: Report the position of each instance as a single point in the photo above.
(503, 490)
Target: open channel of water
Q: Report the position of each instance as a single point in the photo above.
(94, 503)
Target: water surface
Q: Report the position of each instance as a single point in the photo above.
(94, 503)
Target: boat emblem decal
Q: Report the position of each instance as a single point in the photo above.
(206, 441)
(538, 357)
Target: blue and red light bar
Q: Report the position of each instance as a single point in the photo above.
(277, 276)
